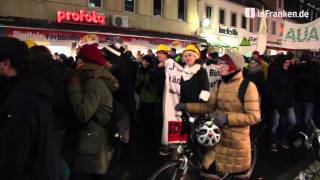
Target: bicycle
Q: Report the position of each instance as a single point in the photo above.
(311, 142)
(187, 164)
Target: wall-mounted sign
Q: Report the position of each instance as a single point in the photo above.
(249, 41)
(230, 31)
(81, 17)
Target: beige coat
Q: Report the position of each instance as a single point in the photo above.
(233, 152)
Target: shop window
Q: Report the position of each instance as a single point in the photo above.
(208, 11)
(129, 5)
(95, 3)
(157, 7)
(274, 27)
(221, 16)
(234, 19)
(244, 22)
(182, 9)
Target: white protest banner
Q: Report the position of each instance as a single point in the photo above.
(213, 76)
(262, 36)
(172, 124)
(301, 36)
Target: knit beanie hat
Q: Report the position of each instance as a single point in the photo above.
(234, 60)
(91, 54)
(192, 49)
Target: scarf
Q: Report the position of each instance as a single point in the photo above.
(188, 72)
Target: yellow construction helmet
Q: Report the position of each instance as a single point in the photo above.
(30, 43)
(192, 48)
(163, 47)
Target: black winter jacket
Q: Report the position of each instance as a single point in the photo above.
(27, 139)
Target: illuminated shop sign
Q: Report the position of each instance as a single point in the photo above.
(81, 17)
(230, 31)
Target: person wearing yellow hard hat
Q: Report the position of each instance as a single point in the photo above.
(194, 82)
(30, 43)
(163, 72)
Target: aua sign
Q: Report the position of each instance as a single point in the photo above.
(81, 17)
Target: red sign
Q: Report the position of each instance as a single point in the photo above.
(175, 134)
(81, 16)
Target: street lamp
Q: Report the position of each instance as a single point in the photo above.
(206, 22)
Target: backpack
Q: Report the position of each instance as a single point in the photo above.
(242, 89)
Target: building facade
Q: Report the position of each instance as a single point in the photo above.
(142, 23)
(225, 26)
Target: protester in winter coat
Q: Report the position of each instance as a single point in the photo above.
(147, 91)
(164, 67)
(27, 140)
(281, 96)
(212, 70)
(233, 153)
(305, 95)
(90, 90)
(194, 85)
(41, 64)
(261, 62)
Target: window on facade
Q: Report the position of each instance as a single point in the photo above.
(281, 29)
(221, 16)
(280, 3)
(258, 24)
(129, 5)
(251, 25)
(234, 19)
(244, 22)
(182, 9)
(157, 7)
(95, 3)
(274, 27)
(208, 12)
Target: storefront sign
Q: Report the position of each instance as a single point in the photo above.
(249, 41)
(230, 31)
(301, 36)
(81, 17)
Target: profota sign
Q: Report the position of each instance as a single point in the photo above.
(81, 16)
(301, 36)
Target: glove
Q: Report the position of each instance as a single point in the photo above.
(180, 107)
(221, 120)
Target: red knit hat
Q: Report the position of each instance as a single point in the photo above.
(91, 54)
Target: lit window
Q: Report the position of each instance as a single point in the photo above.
(95, 3)
(129, 5)
(221, 16)
(157, 7)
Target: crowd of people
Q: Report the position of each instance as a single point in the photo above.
(74, 118)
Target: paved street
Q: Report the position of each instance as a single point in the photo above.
(283, 165)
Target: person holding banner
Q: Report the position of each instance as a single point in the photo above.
(233, 153)
(212, 70)
(168, 73)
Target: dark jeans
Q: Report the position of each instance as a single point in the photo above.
(281, 129)
(304, 112)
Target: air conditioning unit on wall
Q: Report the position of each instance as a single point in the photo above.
(120, 21)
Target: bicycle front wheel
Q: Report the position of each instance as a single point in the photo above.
(170, 171)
